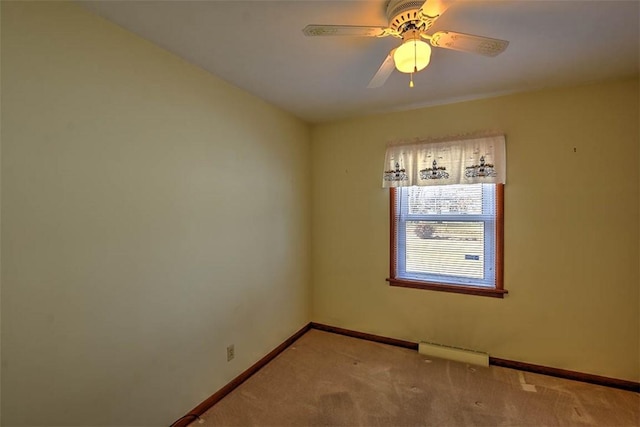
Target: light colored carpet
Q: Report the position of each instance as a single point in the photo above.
(325, 379)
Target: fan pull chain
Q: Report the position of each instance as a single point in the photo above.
(415, 62)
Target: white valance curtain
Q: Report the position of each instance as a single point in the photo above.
(469, 159)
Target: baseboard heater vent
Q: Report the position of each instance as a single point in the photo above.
(453, 353)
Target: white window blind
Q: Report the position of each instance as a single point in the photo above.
(446, 234)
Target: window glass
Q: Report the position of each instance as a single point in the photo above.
(446, 235)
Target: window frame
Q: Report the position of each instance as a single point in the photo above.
(496, 292)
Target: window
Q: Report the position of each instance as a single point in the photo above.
(448, 238)
(447, 212)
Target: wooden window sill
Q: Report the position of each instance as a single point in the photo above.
(459, 289)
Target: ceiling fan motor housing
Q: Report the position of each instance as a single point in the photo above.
(404, 15)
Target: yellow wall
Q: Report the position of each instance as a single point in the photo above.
(571, 231)
(152, 214)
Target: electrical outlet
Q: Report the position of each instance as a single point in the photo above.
(231, 352)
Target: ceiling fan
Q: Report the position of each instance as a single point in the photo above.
(410, 21)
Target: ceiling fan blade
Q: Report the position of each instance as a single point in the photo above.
(432, 10)
(468, 43)
(383, 72)
(344, 30)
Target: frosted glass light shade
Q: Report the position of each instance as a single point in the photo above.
(412, 54)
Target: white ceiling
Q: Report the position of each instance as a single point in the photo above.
(259, 46)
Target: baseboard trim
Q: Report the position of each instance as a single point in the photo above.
(365, 336)
(527, 367)
(196, 412)
(568, 375)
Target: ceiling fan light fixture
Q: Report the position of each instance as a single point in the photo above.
(413, 55)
